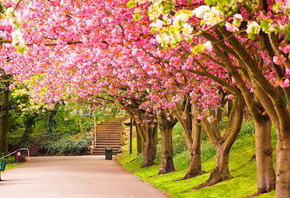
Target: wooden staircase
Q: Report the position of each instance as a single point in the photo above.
(108, 134)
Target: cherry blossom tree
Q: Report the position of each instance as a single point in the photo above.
(231, 26)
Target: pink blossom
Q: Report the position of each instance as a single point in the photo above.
(285, 83)
(230, 96)
(279, 60)
(285, 49)
(200, 117)
(210, 119)
(231, 28)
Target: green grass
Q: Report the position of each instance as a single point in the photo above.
(242, 168)
(10, 166)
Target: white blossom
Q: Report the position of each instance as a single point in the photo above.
(238, 17)
(17, 38)
(208, 45)
(213, 16)
(187, 29)
(180, 18)
(9, 13)
(158, 24)
(253, 28)
(200, 11)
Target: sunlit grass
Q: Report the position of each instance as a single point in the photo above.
(242, 168)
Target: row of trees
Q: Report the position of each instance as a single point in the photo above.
(164, 61)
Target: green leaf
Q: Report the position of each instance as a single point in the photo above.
(21, 49)
(210, 2)
(153, 30)
(198, 48)
(137, 16)
(131, 4)
(189, 40)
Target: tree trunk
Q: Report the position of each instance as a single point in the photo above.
(221, 172)
(150, 145)
(4, 120)
(192, 132)
(166, 127)
(224, 144)
(264, 163)
(194, 168)
(139, 141)
(283, 165)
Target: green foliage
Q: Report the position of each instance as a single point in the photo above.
(87, 125)
(178, 140)
(67, 146)
(181, 161)
(248, 129)
(207, 151)
(131, 4)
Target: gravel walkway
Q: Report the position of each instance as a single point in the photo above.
(73, 177)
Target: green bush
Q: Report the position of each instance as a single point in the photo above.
(207, 151)
(247, 130)
(178, 140)
(180, 160)
(179, 144)
(67, 146)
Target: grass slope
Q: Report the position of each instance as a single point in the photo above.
(242, 168)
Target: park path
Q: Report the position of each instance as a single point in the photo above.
(73, 177)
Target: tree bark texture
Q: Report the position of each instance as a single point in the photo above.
(194, 168)
(283, 165)
(265, 171)
(223, 144)
(4, 120)
(165, 126)
(192, 132)
(150, 144)
(140, 143)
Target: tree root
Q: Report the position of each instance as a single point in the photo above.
(187, 176)
(214, 178)
(164, 171)
(143, 165)
(193, 174)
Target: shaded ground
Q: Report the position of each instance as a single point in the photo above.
(73, 177)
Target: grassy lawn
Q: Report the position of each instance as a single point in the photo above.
(242, 168)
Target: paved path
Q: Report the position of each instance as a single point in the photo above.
(73, 177)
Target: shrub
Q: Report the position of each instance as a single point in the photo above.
(247, 130)
(178, 140)
(67, 146)
(179, 144)
(181, 160)
(207, 151)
